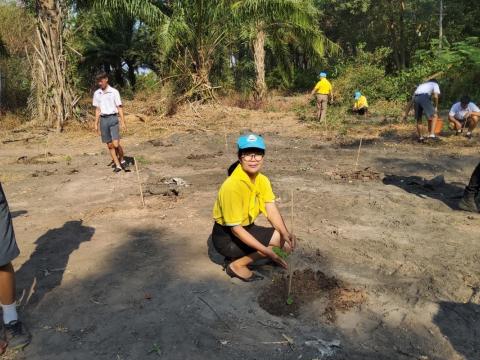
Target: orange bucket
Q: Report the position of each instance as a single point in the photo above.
(438, 125)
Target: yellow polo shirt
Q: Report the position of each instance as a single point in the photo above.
(323, 87)
(361, 102)
(239, 201)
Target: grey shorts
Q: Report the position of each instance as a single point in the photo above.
(423, 105)
(8, 244)
(109, 128)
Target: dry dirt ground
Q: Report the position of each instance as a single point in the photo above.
(387, 267)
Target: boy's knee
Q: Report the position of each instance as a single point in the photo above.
(110, 146)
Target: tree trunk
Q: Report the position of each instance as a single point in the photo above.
(53, 97)
(259, 58)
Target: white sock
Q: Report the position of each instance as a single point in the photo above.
(9, 313)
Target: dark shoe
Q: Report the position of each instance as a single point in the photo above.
(421, 140)
(117, 169)
(17, 335)
(125, 167)
(231, 273)
(226, 262)
(468, 202)
(468, 135)
(111, 164)
(433, 139)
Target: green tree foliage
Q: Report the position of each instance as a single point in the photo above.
(16, 30)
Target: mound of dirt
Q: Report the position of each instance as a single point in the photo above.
(308, 286)
(366, 174)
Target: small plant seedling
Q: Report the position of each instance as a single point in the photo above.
(289, 300)
(280, 252)
(155, 350)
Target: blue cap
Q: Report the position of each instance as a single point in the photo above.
(357, 95)
(323, 74)
(250, 141)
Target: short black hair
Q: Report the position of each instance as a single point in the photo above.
(465, 99)
(433, 80)
(101, 75)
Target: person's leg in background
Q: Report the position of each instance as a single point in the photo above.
(468, 202)
(455, 124)
(472, 122)
(418, 117)
(324, 102)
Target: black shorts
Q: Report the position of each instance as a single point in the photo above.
(227, 244)
(8, 244)
(360, 111)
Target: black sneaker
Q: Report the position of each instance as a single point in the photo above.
(468, 135)
(111, 164)
(17, 335)
(124, 166)
(421, 140)
(433, 139)
(117, 169)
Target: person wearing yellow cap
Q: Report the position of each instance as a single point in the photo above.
(243, 196)
(323, 93)
(360, 105)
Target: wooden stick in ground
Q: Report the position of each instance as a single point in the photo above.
(226, 140)
(290, 267)
(46, 148)
(358, 153)
(139, 182)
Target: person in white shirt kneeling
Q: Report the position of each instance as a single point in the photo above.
(464, 115)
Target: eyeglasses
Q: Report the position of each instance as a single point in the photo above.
(253, 156)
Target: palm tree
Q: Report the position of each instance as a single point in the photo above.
(295, 18)
(190, 39)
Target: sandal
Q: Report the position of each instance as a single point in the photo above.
(232, 274)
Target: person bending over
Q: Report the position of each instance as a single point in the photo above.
(242, 197)
(108, 107)
(464, 114)
(425, 101)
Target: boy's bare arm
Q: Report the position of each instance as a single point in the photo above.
(122, 118)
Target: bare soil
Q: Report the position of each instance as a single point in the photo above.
(388, 267)
(308, 286)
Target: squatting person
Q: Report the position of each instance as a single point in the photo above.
(464, 114)
(108, 108)
(425, 101)
(323, 94)
(360, 106)
(14, 334)
(242, 197)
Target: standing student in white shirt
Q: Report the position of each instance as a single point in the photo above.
(108, 108)
(464, 114)
(425, 101)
